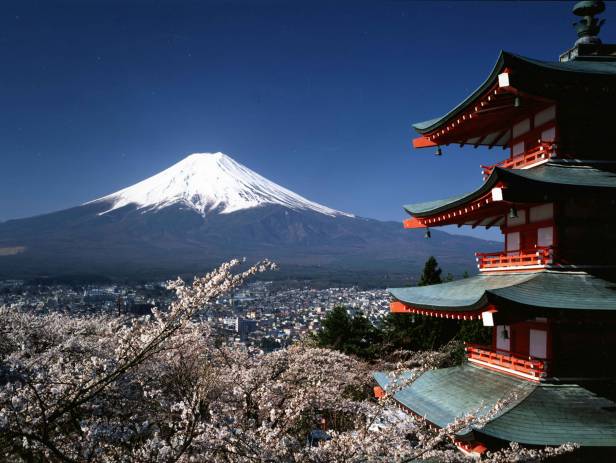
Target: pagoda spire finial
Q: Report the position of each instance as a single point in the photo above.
(588, 26)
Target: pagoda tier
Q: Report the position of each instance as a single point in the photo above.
(555, 181)
(525, 102)
(555, 215)
(536, 319)
(541, 414)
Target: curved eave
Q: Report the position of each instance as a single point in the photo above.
(555, 179)
(594, 69)
(540, 414)
(466, 295)
(429, 208)
(553, 414)
(552, 290)
(432, 124)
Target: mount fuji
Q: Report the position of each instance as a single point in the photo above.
(210, 183)
(208, 208)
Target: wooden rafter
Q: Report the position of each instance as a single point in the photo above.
(477, 223)
(493, 222)
(476, 145)
(498, 138)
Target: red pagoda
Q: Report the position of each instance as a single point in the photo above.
(550, 294)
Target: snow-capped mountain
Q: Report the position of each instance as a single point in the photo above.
(210, 182)
(208, 208)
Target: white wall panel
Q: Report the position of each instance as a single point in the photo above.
(501, 342)
(538, 344)
(543, 212)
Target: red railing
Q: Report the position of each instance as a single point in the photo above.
(537, 256)
(525, 366)
(537, 154)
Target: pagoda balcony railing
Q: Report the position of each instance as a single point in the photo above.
(540, 153)
(536, 257)
(507, 362)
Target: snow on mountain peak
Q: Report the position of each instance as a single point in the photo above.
(210, 182)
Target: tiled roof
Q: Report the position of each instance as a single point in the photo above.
(540, 414)
(554, 414)
(562, 176)
(543, 290)
(570, 70)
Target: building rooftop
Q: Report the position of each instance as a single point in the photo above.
(556, 178)
(540, 414)
(548, 290)
(574, 71)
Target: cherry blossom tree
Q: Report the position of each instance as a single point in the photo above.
(157, 388)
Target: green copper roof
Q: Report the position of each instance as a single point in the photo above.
(535, 183)
(463, 295)
(428, 207)
(448, 393)
(570, 70)
(540, 414)
(554, 414)
(539, 290)
(588, 175)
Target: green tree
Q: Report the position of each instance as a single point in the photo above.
(351, 335)
(431, 274)
(416, 332)
(335, 328)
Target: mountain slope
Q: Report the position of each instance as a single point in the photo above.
(208, 208)
(210, 182)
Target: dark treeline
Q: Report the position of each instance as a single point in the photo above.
(356, 335)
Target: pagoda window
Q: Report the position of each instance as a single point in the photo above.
(549, 135)
(517, 148)
(545, 116)
(512, 242)
(545, 236)
(541, 213)
(521, 128)
(538, 344)
(503, 341)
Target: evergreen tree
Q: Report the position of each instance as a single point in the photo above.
(417, 332)
(431, 274)
(351, 335)
(335, 328)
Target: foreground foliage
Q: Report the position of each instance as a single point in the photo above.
(157, 388)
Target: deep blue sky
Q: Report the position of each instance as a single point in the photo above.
(317, 96)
